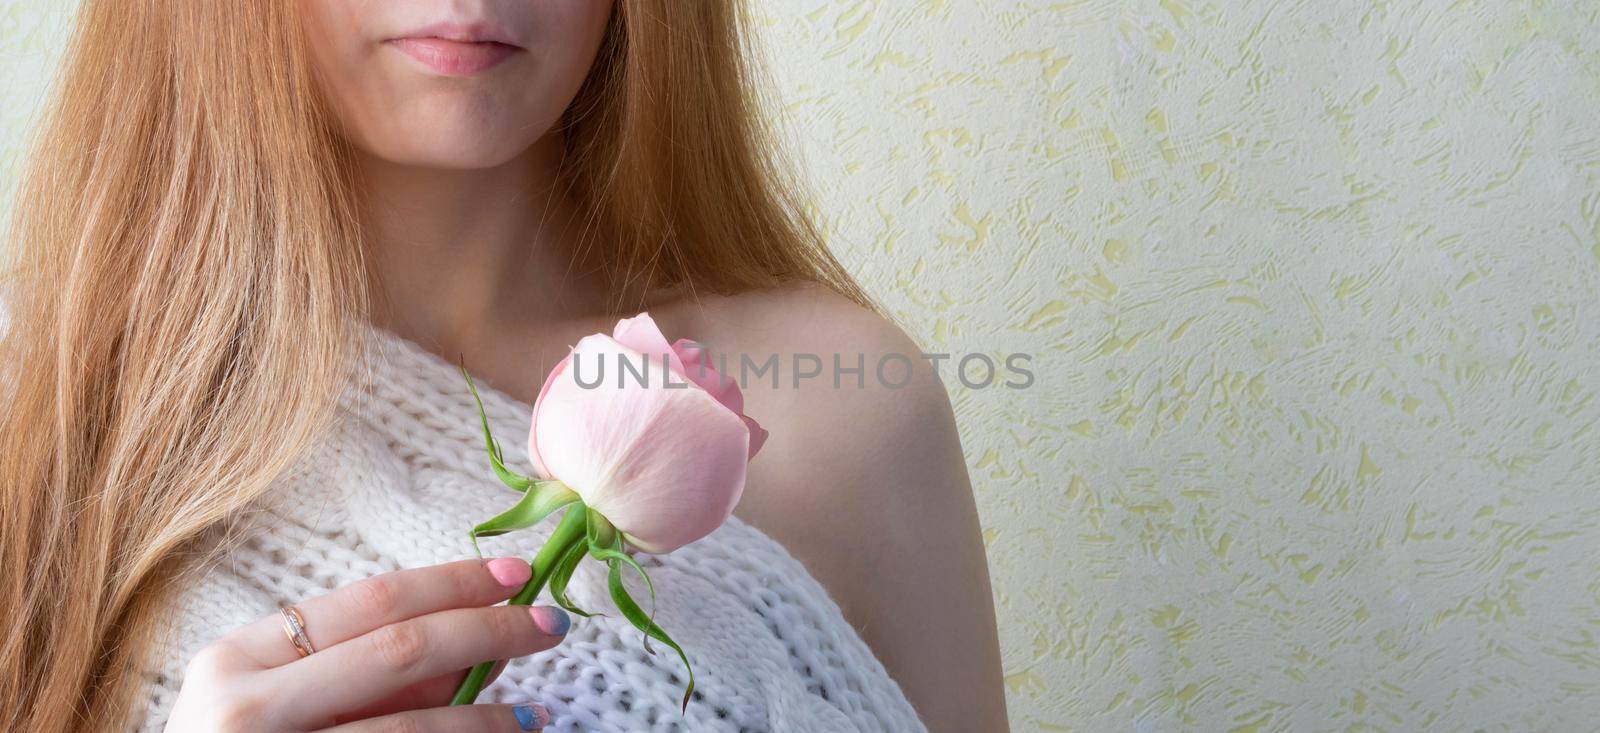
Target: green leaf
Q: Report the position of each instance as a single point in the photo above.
(636, 616)
(565, 567)
(507, 476)
(538, 502)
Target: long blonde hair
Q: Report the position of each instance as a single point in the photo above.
(186, 272)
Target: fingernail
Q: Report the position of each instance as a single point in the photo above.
(551, 620)
(531, 717)
(509, 571)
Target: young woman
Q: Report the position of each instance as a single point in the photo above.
(254, 241)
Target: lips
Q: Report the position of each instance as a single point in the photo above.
(455, 58)
(453, 49)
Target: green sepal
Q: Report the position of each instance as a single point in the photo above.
(565, 567)
(538, 502)
(600, 531)
(611, 552)
(507, 476)
(636, 616)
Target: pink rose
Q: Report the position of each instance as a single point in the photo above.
(663, 461)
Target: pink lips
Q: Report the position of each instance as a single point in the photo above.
(454, 49)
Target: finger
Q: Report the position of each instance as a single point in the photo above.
(375, 665)
(457, 719)
(381, 600)
(430, 693)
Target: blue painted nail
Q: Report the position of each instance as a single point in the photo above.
(551, 620)
(531, 717)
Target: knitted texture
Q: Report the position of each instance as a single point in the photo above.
(403, 477)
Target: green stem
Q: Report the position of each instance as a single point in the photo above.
(569, 532)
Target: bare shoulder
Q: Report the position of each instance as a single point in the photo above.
(847, 397)
(841, 389)
(798, 318)
(862, 478)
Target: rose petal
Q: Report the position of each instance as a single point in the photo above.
(641, 334)
(533, 435)
(665, 465)
(758, 435)
(698, 369)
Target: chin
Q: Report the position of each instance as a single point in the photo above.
(447, 152)
(454, 138)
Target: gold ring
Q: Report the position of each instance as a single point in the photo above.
(294, 626)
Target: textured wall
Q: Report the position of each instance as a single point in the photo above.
(1314, 293)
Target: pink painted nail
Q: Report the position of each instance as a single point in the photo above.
(509, 571)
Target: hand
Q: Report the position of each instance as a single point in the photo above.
(389, 652)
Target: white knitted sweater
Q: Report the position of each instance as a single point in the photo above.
(405, 475)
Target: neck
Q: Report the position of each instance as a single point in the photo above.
(459, 255)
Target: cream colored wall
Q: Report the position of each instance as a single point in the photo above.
(1313, 290)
